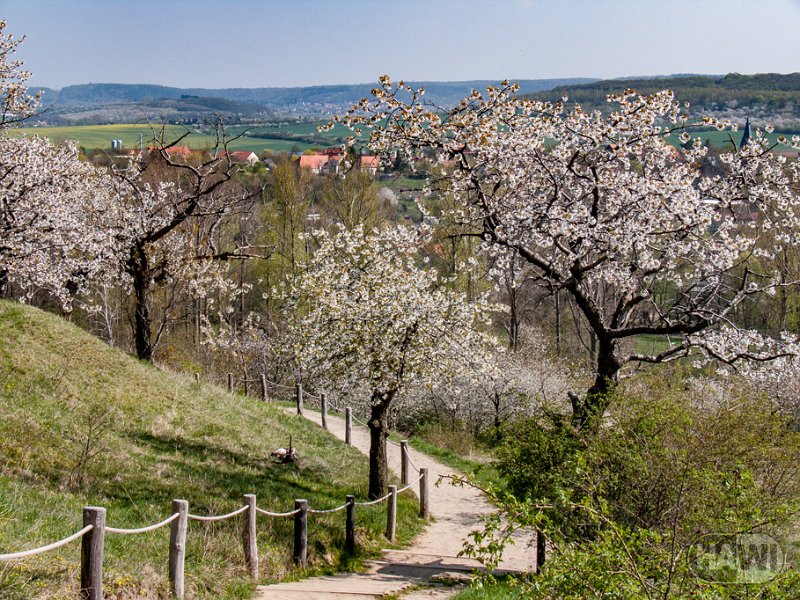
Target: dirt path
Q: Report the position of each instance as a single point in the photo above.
(432, 557)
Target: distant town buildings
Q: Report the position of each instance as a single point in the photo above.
(240, 157)
(333, 160)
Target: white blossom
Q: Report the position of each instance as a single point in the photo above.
(603, 207)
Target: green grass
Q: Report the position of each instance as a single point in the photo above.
(158, 436)
(648, 344)
(278, 137)
(499, 590)
(100, 136)
(464, 457)
(722, 139)
(405, 183)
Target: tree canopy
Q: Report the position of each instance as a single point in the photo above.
(366, 315)
(602, 207)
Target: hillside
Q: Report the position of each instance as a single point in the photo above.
(764, 97)
(99, 103)
(151, 436)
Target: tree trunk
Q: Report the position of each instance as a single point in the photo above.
(497, 423)
(587, 412)
(143, 321)
(558, 323)
(378, 432)
(513, 321)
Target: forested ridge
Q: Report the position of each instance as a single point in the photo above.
(771, 94)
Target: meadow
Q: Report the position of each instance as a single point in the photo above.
(100, 136)
(286, 136)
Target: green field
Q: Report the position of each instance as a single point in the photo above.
(277, 137)
(100, 136)
(722, 139)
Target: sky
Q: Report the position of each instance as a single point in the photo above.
(287, 43)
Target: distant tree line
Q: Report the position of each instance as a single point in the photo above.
(772, 90)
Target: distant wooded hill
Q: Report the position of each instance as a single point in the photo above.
(439, 92)
(99, 103)
(764, 97)
(768, 96)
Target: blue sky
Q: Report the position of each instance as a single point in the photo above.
(239, 43)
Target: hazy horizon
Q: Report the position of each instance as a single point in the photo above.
(300, 43)
(358, 83)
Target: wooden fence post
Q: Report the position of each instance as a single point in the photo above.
(300, 554)
(391, 513)
(92, 553)
(424, 509)
(177, 547)
(350, 526)
(404, 458)
(246, 386)
(348, 426)
(540, 550)
(249, 536)
(324, 409)
(298, 390)
(264, 393)
(230, 383)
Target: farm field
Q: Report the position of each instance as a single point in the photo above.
(277, 137)
(722, 139)
(100, 136)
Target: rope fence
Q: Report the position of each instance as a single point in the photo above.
(403, 489)
(327, 510)
(53, 546)
(143, 529)
(93, 535)
(238, 511)
(325, 404)
(376, 501)
(291, 513)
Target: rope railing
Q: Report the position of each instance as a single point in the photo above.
(411, 463)
(327, 404)
(291, 513)
(279, 385)
(376, 501)
(95, 526)
(328, 510)
(166, 521)
(238, 511)
(48, 547)
(417, 480)
(360, 422)
(94, 529)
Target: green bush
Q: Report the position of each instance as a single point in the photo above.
(625, 506)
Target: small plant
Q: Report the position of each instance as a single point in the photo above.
(88, 437)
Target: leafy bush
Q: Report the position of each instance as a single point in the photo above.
(624, 507)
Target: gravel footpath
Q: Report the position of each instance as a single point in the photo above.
(456, 511)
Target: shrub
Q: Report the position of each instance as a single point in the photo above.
(625, 506)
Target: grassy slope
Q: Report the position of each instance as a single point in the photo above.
(158, 437)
